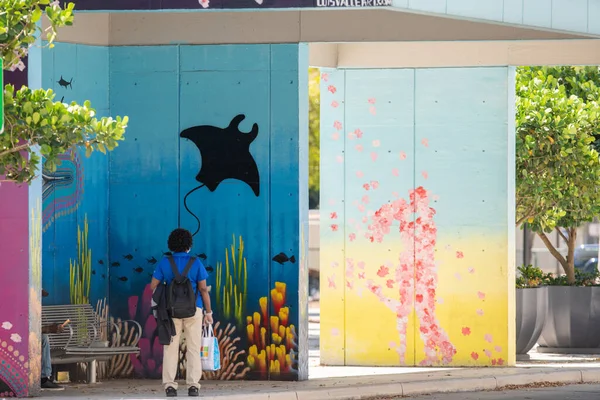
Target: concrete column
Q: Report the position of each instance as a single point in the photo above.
(417, 217)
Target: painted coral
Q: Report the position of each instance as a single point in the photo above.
(271, 338)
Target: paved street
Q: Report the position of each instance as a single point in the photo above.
(575, 392)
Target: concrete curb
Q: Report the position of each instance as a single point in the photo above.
(431, 386)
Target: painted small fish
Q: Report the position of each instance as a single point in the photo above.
(62, 82)
(93, 272)
(115, 264)
(123, 279)
(209, 269)
(100, 262)
(151, 260)
(201, 256)
(139, 270)
(282, 258)
(128, 257)
(103, 276)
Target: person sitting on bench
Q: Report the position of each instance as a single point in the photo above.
(47, 381)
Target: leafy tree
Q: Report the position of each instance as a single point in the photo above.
(33, 120)
(314, 115)
(558, 170)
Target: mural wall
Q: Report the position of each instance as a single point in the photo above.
(20, 246)
(203, 121)
(416, 217)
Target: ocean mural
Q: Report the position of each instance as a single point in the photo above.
(203, 163)
(415, 217)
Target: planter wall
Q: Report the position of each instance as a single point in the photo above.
(573, 319)
(532, 306)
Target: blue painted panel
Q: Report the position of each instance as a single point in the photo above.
(65, 66)
(142, 59)
(436, 6)
(489, 9)
(513, 11)
(92, 75)
(143, 176)
(571, 15)
(594, 17)
(215, 98)
(225, 58)
(286, 142)
(466, 106)
(537, 13)
(150, 152)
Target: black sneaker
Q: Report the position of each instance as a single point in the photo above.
(47, 384)
(171, 392)
(193, 392)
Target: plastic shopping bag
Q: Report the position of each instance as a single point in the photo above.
(209, 350)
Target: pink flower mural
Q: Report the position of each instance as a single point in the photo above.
(415, 277)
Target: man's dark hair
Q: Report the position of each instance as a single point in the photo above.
(180, 240)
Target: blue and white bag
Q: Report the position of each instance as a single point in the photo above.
(209, 350)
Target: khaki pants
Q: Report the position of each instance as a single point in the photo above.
(192, 328)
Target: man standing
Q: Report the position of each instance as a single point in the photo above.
(176, 271)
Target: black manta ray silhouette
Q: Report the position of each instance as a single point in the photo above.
(225, 154)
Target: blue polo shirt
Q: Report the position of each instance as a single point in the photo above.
(196, 274)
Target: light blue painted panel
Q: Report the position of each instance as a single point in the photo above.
(462, 133)
(435, 6)
(537, 13)
(594, 17)
(513, 11)
(379, 165)
(65, 66)
(47, 68)
(400, 3)
(452, 96)
(570, 15)
(141, 59)
(489, 9)
(225, 58)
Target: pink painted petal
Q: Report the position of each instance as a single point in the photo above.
(335, 136)
(335, 104)
(373, 110)
(359, 147)
(425, 142)
(395, 172)
(376, 143)
(374, 156)
(402, 155)
(325, 76)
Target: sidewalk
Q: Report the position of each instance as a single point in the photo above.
(401, 384)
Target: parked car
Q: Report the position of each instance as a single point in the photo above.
(586, 258)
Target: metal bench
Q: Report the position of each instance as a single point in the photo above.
(85, 337)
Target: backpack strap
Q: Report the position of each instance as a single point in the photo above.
(188, 266)
(174, 267)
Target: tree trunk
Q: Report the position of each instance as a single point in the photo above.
(570, 264)
(563, 262)
(529, 235)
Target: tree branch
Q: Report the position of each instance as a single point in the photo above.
(562, 234)
(553, 250)
(15, 149)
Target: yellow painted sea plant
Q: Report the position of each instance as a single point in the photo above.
(232, 284)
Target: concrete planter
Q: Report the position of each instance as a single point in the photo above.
(532, 307)
(573, 321)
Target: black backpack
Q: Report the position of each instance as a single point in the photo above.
(181, 298)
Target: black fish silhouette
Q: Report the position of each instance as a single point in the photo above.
(64, 83)
(62, 100)
(44, 293)
(209, 269)
(201, 256)
(123, 278)
(139, 269)
(168, 253)
(225, 154)
(115, 264)
(93, 272)
(151, 260)
(103, 276)
(282, 258)
(128, 257)
(100, 262)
